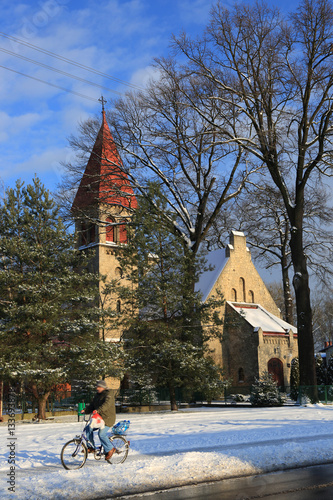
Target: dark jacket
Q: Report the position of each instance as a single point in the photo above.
(104, 404)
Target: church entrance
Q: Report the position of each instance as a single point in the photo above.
(275, 368)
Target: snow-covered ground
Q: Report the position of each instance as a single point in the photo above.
(169, 449)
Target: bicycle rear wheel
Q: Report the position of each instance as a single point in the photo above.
(121, 445)
(74, 454)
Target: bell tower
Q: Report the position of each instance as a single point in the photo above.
(102, 207)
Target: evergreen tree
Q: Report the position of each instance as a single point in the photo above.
(294, 379)
(166, 326)
(49, 315)
(320, 370)
(265, 392)
(330, 371)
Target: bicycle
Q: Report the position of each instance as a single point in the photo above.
(75, 452)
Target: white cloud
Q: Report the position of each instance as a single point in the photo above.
(46, 163)
(116, 37)
(13, 126)
(143, 75)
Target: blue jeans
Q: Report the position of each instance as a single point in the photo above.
(103, 437)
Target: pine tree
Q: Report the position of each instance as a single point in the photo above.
(294, 379)
(49, 316)
(320, 370)
(265, 392)
(166, 326)
(330, 370)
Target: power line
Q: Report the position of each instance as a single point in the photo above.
(51, 84)
(70, 61)
(58, 71)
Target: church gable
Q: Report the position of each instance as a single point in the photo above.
(236, 276)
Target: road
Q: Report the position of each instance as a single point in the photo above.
(309, 483)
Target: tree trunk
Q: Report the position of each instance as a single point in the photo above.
(41, 399)
(307, 369)
(41, 415)
(288, 301)
(172, 394)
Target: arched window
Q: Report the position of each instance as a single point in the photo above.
(110, 229)
(118, 272)
(251, 296)
(234, 294)
(115, 232)
(118, 306)
(242, 288)
(87, 234)
(241, 377)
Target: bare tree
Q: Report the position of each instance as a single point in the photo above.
(322, 319)
(161, 136)
(266, 220)
(275, 73)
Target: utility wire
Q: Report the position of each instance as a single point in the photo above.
(51, 84)
(58, 71)
(70, 61)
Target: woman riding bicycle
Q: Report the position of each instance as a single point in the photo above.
(104, 403)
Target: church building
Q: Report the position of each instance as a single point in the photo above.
(255, 338)
(102, 207)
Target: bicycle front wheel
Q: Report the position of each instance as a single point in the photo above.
(74, 454)
(121, 452)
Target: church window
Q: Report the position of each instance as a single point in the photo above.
(241, 375)
(242, 287)
(111, 233)
(234, 294)
(118, 272)
(118, 306)
(87, 234)
(115, 233)
(251, 296)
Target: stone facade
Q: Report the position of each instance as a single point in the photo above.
(255, 338)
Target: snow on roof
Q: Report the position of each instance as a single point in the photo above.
(258, 317)
(216, 260)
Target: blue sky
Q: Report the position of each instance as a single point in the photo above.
(119, 38)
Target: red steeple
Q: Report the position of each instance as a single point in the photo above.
(104, 180)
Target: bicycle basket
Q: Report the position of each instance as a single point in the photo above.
(121, 427)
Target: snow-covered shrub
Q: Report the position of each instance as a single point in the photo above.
(239, 398)
(305, 401)
(265, 392)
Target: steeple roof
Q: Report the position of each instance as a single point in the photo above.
(104, 181)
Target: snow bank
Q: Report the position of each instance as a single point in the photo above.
(170, 449)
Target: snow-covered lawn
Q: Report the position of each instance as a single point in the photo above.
(169, 449)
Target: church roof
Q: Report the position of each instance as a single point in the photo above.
(258, 317)
(104, 180)
(215, 262)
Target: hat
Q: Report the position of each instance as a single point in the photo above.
(101, 383)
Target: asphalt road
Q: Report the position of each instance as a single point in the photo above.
(309, 483)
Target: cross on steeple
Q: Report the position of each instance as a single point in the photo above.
(103, 101)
